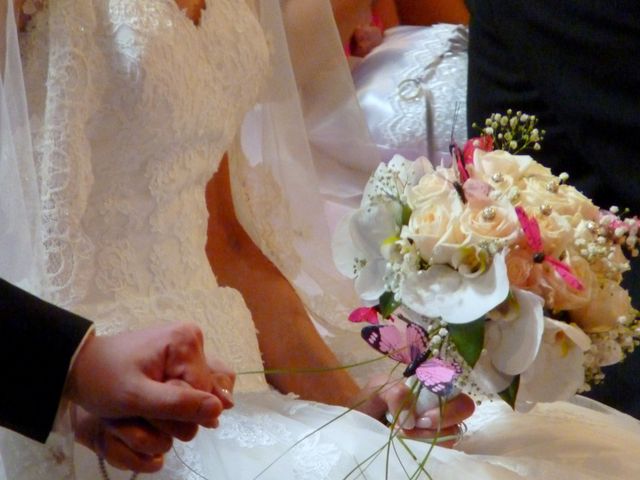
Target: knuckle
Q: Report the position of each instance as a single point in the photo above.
(193, 333)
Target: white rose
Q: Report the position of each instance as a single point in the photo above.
(435, 223)
(433, 186)
(489, 221)
(565, 199)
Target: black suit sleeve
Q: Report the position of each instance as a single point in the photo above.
(37, 343)
(574, 64)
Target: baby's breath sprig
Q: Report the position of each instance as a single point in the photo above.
(511, 132)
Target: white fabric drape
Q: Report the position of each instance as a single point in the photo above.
(19, 200)
(290, 175)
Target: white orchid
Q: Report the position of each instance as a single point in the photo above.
(441, 291)
(364, 241)
(512, 342)
(558, 370)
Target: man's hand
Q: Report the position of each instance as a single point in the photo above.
(131, 444)
(158, 373)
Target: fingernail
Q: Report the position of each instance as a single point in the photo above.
(228, 398)
(424, 422)
(406, 420)
(223, 381)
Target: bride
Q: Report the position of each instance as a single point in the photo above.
(132, 105)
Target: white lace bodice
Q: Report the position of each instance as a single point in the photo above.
(139, 107)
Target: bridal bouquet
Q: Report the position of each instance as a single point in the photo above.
(492, 275)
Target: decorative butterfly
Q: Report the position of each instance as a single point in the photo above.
(364, 314)
(466, 187)
(456, 155)
(439, 376)
(411, 349)
(484, 142)
(534, 239)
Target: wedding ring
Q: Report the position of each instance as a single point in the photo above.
(462, 429)
(409, 89)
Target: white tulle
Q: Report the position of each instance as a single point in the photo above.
(131, 108)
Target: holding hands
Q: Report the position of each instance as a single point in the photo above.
(136, 391)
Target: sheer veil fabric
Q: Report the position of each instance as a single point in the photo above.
(20, 257)
(301, 162)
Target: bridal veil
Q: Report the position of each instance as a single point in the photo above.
(301, 162)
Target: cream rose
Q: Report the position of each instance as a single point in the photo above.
(487, 221)
(503, 170)
(434, 223)
(435, 185)
(544, 190)
(609, 302)
(556, 232)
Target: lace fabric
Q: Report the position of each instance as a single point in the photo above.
(132, 107)
(138, 108)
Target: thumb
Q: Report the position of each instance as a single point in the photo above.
(177, 401)
(400, 403)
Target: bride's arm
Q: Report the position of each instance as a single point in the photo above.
(286, 335)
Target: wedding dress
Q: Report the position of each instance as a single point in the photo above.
(412, 89)
(132, 106)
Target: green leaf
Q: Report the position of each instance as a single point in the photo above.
(510, 393)
(388, 304)
(468, 339)
(406, 214)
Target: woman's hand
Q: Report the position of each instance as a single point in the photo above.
(365, 38)
(128, 444)
(392, 395)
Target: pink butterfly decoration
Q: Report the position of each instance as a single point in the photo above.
(466, 187)
(534, 239)
(411, 348)
(438, 376)
(364, 314)
(463, 173)
(485, 143)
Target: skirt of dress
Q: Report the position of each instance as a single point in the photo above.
(271, 436)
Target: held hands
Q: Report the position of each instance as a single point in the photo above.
(158, 374)
(395, 397)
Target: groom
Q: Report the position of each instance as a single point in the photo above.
(574, 65)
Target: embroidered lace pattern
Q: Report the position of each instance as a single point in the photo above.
(139, 108)
(132, 107)
(444, 82)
